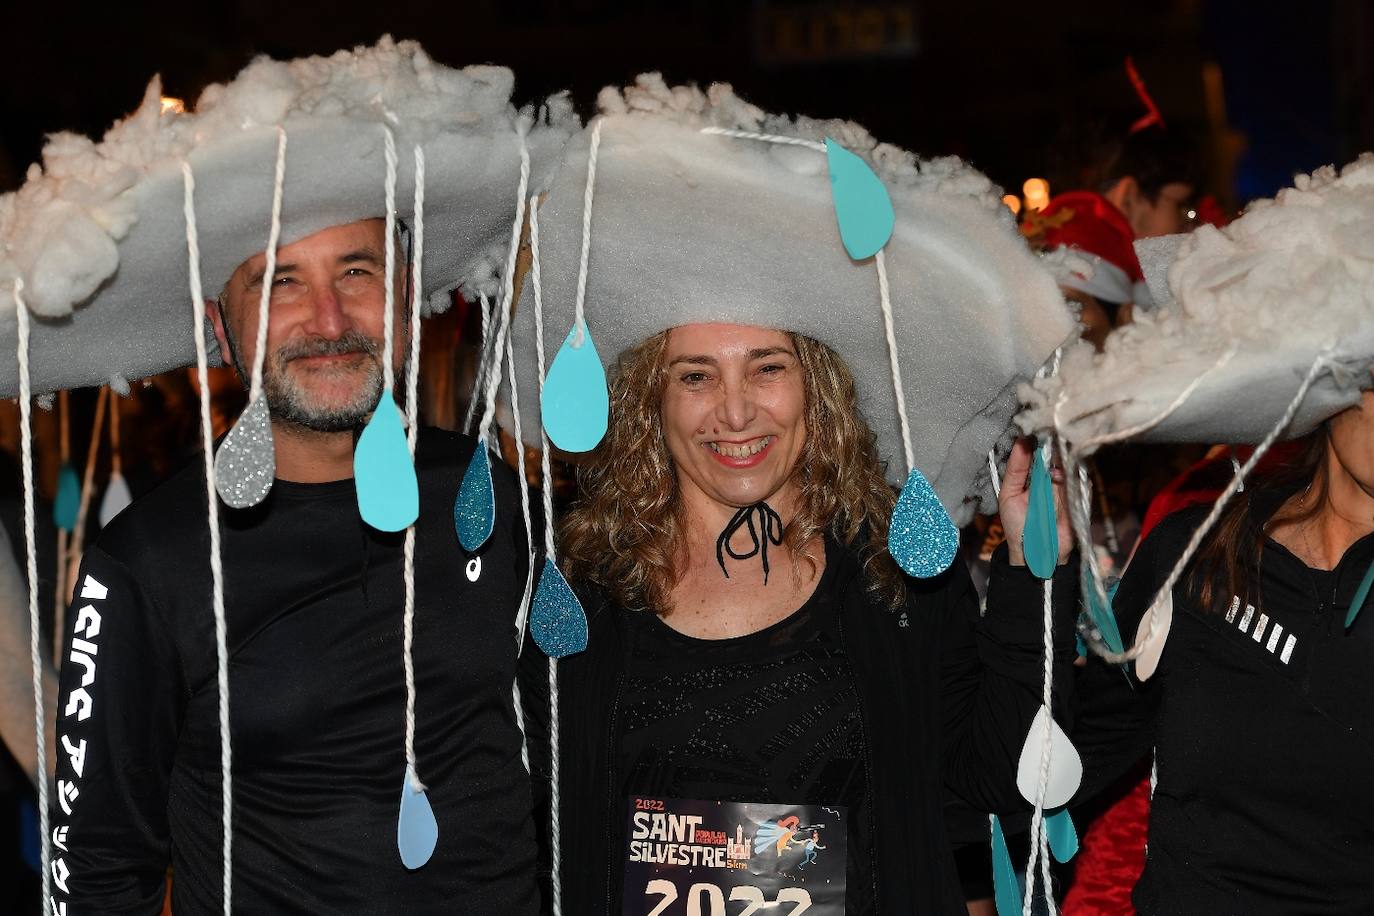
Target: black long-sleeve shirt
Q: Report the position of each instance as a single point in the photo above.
(1262, 721)
(316, 702)
(946, 697)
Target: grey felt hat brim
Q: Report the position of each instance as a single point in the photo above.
(138, 318)
(689, 228)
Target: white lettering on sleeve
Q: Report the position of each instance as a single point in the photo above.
(76, 753)
(66, 794)
(60, 873)
(88, 622)
(80, 704)
(93, 589)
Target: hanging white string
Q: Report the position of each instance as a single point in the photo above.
(21, 316)
(412, 429)
(766, 138)
(270, 270)
(479, 374)
(1038, 835)
(885, 299)
(212, 500)
(522, 614)
(579, 310)
(993, 474)
(507, 295)
(1146, 638)
(555, 827)
(389, 319)
(524, 493)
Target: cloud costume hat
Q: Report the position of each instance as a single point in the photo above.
(688, 226)
(1248, 310)
(110, 248)
(1266, 331)
(98, 237)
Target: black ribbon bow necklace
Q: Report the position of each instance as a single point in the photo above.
(769, 526)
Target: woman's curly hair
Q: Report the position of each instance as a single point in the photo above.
(624, 532)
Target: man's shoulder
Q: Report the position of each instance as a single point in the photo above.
(446, 454)
(170, 517)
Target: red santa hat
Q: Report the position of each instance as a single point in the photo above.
(1097, 233)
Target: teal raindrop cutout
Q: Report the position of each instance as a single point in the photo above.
(1041, 538)
(575, 404)
(474, 511)
(557, 621)
(862, 205)
(1062, 836)
(1360, 595)
(68, 500)
(1006, 890)
(1102, 616)
(384, 472)
(921, 537)
(417, 831)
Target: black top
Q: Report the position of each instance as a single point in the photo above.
(1262, 720)
(945, 699)
(316, 696)
(768, 717)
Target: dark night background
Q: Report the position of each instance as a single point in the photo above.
(1019, 88)
(1263, 89)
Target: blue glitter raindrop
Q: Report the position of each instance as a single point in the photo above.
(921, 537)
(474, 511)
(557, 621)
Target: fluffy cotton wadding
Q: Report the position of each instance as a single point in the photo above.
(1287, 279)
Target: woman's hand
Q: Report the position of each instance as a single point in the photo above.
(1015, 497)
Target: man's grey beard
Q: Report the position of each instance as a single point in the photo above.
(291, 402)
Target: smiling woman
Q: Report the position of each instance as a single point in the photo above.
(826, 707)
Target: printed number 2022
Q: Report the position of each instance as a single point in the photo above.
(714, 899)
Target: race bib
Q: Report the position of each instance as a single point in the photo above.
(702, 858)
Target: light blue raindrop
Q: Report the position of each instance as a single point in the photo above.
(862, 205)
(1360, 595)
(1006, 889)
(68, 501)
(1063, 837)
(575, 404)
(384, 472)
(474, 511)
(1102, 615)
(557, 621)
(1041, 537)
(921, 538)
(417, 831)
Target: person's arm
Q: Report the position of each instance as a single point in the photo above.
(993, 674)
(121, 698)
(16, 669)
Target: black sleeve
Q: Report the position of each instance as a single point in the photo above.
(121, 699)
(993, 674)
